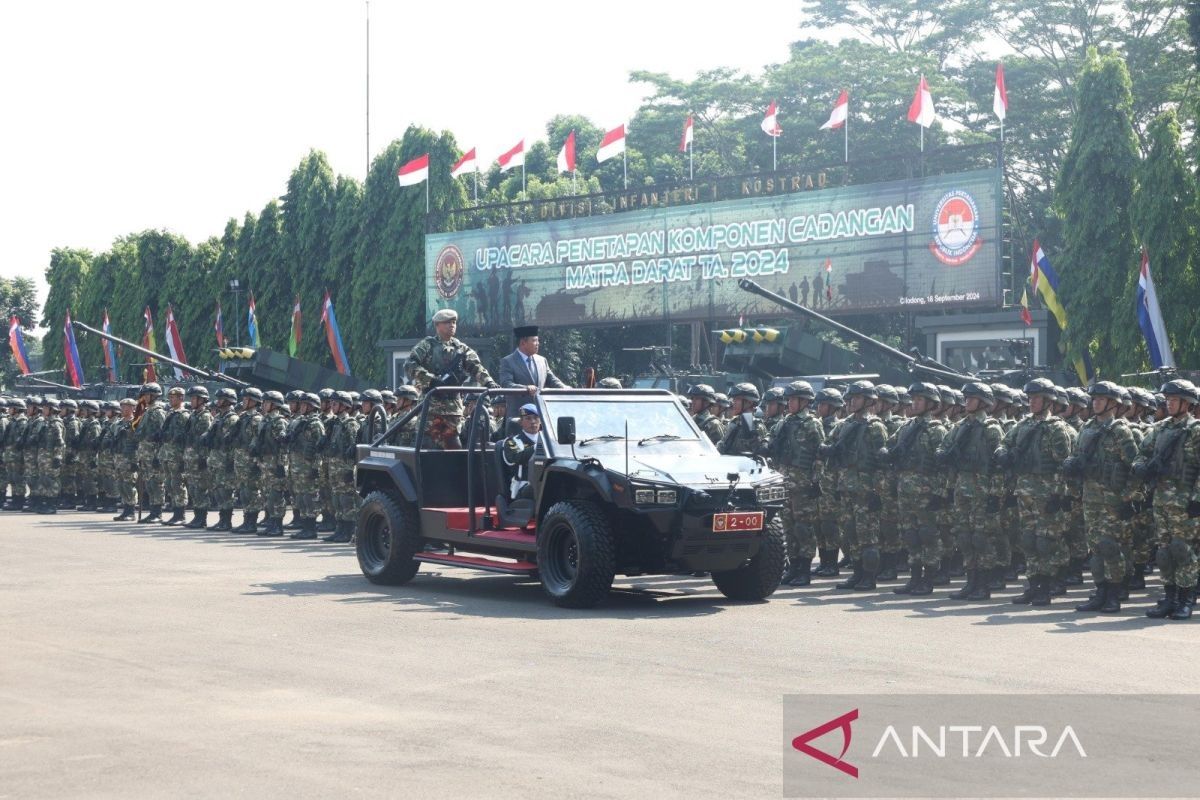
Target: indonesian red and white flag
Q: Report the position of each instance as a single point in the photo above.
(1000, 98)
(770, 123)
(687, 135)
(513, 158)
(465, 164)
(566, 156)
(841, 109)
(174, 343)
(414, 172)
(613, 144)
(921, 109)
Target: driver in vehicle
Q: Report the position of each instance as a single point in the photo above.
(518, 452)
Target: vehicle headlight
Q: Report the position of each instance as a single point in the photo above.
(771, 493)
(650, 496)
(643, 496)
(666, 497)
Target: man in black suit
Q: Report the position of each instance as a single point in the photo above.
(523, 368)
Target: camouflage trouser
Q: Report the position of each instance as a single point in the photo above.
(274, 487)
(1178, 538)
(829, 537)
(88, 473)
(127, 479)
(246, 473)
(50, 467)
(800, 515)
(326, 487)
(1010, 518)
(305, 481)
(889, 530)
(106, 470)
(857, 518)
(345, 495)
(1043, 536)
(1077, 544)
(1142, 535)
(918, 525)
(946, 517)
(975, 527)
(1108, 535)
(29, 466)
(196, 478)
(170, 456)
(14, 465)
(221, 478)
(150, 473)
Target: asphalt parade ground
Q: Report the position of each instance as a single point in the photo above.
(146, 661)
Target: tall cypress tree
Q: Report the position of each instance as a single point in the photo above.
(66, 274)
(1095, 189)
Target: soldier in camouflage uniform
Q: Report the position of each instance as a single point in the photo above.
(51, 457)
(407, 397)
(889, 531)
(442, 360)
(222, 441)
(29, 452)
(125, 450)
(970, 447)
(1142, 524)
(1170, 459)
(69, 416)
(172, 442)
(5, 423)
(912, 450)
(328, 419)
(747, 434)
(303, 453)
(701, 397)
(13, 455)
(196, 442)
(1010, 518)
(829, 539)
(106, 486)
(950, 564)
(342, 454)
(245, 459)
(1072, 500)
(87, 444)
(794, 445)
(271, 448)
(1033, 450)
(147, 432)
(773, 407)
(1103, 457)
(855, 453)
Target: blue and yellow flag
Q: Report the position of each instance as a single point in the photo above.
(1044, 280)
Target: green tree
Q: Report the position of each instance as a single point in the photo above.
(309, 215)
(18, 298)
(67, 271)
(1094, 195)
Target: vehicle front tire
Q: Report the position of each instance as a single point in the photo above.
(576, 555)
(758, 578)
(387, 538)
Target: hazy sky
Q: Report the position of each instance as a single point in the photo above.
(123, 116)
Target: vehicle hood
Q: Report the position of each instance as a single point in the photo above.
(693, 470)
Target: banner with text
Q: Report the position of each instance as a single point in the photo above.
(923, 244)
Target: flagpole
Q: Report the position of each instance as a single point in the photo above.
(774, 139)
(846, 135)
(476, 186)
(692, 157)
(922, 138)
(624, 168)
(522, 169)
(427, 196)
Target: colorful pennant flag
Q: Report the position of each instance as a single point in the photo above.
(252, 324)
(175, 344)
(148, 373)
(1150, 318)
(110, 351)
(334, 336)
(73, 367)
(294, 338)
(1044, 281)
(219, 327)
(1026, 317)
(16, 341)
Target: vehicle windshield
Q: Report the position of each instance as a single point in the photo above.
(602, 419)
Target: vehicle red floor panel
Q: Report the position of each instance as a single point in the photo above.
(459, 519)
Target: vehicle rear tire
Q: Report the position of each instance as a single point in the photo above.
(387, 537)
(758, 578)
(576, 555)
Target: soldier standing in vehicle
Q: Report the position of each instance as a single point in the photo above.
(794, 446)
(442, 360)
(747, 434)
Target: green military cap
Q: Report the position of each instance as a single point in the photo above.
(446, 315)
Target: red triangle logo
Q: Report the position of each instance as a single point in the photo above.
(801, 743)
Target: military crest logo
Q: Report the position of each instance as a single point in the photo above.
(955, 229)
(449, 271)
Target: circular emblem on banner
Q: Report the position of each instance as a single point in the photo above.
(955, 228)
(449, 271)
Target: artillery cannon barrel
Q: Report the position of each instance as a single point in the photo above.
(212, 376)
(32, 378)
(913, 363)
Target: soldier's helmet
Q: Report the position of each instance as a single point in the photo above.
(981, 390)
(1123, 397)
(1040, 386)
(1105, 389)
(1002, 393)
(345, 398)
(225, 393)
(722, 399)
(903, 397)
(744, 390)
(90, 405)
(1181, 387)
(374, 395)
(1160, 400)
(175, 391)
(388, 396)
(274, 396)
(16, 402)
(1061, 397)
(198, 391)
(253, 392)
(862, 389)
(313, 399)
(151, 389)
(773, 395)
(52, 402)
(702, 390)
(294, 396)
(926, 390)
(609, 383)
(1078, 397)
(960, 399)
(887, 393)
(409, 391)
(325, 394)
(112, 405)
(1021, 399)
(831, 396)
(33, 400)
(801, 389)
(69, 403)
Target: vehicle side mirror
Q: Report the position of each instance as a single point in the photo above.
(565, 432)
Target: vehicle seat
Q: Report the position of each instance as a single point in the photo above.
(510, 513)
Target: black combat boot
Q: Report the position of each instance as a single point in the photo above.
(925, 585)
(913, 580)
(274, 527)
(941, 574)
(154, 516)
(1042, 591)
(178, 516)
(33, 504)
(224, 520)
(1095, 601)
(829, 567)
(1074, 572)
(1186, 598)
(867, 582)
(345, 530)
(957, 568)
(327, 523)
(968, 588)
(1166, 606)
(293, 524)
(789, 573)
(887, 567)
(1026, 597)
(996, 581)
(15, 504)
(845, 562)
(983, 583)
(199, 519)
(125, 516)
(1112, 599)
(249, 523)
(855, 576)
(49, 506)
(801, 571)
(308, 529)
(1016, 565)
(1137, 578)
